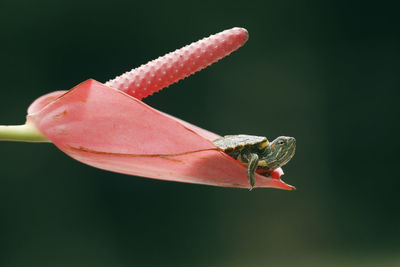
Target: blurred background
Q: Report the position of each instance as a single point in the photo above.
(325, 72)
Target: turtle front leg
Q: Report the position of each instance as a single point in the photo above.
(252, 160)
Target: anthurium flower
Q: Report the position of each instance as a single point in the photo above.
(108, 127)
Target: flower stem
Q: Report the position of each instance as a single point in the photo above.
(21, 133)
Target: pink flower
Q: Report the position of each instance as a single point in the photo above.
(108, 127)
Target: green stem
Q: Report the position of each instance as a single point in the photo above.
(22, 133)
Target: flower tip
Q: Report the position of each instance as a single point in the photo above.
(242, 33)
(291, 187)
(285, 186)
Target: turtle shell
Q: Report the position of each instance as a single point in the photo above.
(233, 143)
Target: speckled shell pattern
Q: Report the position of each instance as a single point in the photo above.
(237, 142)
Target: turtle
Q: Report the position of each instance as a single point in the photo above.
(256, 152)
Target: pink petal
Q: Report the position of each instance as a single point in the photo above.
(43, 101)
(105, 128)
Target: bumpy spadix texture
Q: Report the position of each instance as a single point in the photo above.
(110, 128)
(172, 67)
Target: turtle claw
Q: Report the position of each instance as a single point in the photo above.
(251, 168)
(252, 180)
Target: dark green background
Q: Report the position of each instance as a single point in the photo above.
(326, 72)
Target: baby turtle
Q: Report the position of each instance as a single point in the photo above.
(257, 153)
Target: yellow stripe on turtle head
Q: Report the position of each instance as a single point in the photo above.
(262, 163)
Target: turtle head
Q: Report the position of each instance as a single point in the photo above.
(279, 152)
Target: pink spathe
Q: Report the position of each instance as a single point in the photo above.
(108, 129)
